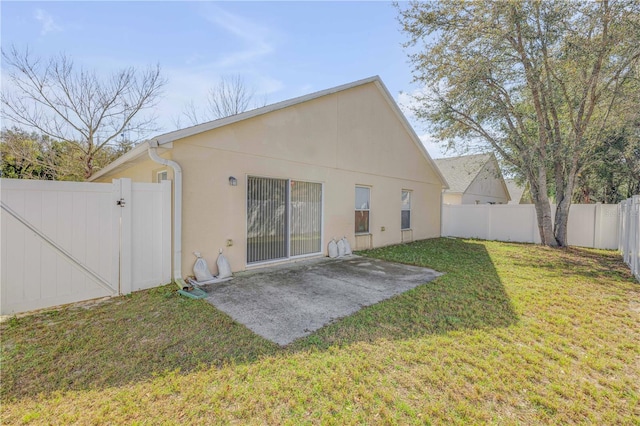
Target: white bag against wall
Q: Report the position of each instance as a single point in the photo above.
(200, 269)
(341, 249)
(333, 249)
(347, 247)
(224, 269)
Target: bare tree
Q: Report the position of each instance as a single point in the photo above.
(230, 96)
(76, 105)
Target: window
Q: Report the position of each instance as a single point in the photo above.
(405, 213)
(161, 176)
(362, 209)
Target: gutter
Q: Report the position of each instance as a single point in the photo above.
(177, 211)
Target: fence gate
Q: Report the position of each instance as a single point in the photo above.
(65, 242)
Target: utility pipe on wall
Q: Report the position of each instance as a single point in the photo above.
(177, 211)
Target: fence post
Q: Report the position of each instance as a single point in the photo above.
(635, 251)
(597, 215)
(115, 232)
(622, 226)
(125, 235)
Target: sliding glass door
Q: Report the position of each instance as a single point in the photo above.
(284, 219)
(267, 216)
(306, 218)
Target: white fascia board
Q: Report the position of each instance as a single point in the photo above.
(135, 154)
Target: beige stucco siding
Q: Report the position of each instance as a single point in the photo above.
(341, 140)
(371, 138)
(451, 198)
(304, 133)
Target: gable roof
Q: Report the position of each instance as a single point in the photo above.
(461, 171)
(165, 140)
(515, 191)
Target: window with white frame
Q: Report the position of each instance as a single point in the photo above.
(161, 176)
(363, 197)
(405, 213)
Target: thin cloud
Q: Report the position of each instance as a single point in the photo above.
(190, 83)
(48, 25)
(254, 36)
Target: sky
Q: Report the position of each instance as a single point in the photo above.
(281, 49)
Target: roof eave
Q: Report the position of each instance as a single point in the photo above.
(210, 125)
(168, 138)
(130, 157)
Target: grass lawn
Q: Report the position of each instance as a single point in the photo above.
(511, 334)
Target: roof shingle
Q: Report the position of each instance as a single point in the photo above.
(460, 171)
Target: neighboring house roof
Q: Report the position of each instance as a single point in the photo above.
(461, 171)
(165, 140)
(515, 191)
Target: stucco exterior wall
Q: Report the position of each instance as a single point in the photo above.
(144, 171)
(451, 198)
(341, 140)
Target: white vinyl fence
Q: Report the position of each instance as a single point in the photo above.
(65, 242)
(630, 234)
(590, 225)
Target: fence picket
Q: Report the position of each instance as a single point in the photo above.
(75, 248)
(629, 227)
(590, 225)
(605, 226)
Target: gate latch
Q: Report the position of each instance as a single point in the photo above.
(120, 202)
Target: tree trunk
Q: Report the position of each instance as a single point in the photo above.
(545, 225)
(537, 177)
(562, 211)
(562, 222)
(88, 166)
(538, 189)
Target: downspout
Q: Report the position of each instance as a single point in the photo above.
(177, 211)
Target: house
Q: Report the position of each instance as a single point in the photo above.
(278, 183)
(519, 194)
(473, 179)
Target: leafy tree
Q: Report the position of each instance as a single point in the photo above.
(75, 105)
(614, 175)
(537, 82)
(613, 172)
(25, 155)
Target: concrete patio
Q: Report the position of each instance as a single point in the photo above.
(285, 302)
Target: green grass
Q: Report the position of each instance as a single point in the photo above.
(511, 334)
